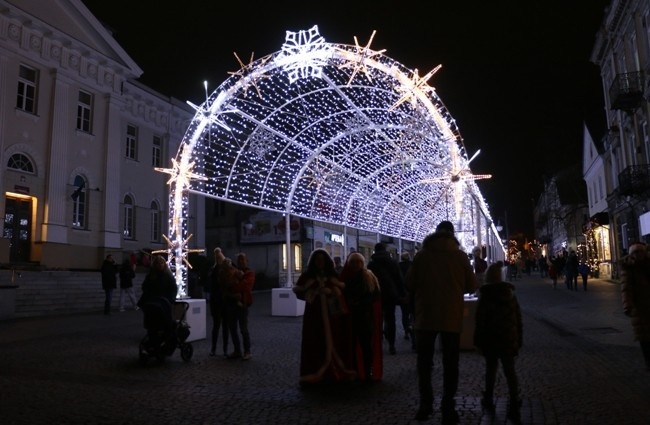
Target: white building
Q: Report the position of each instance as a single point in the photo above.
(79, 140)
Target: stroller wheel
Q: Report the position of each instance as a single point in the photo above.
(186, 351)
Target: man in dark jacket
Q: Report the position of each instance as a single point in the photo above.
(392, 289)
(439, 276)
(109, 281)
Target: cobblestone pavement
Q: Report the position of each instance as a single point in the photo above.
(579, 365)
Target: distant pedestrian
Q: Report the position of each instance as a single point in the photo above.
(127, 274)
(392, 289)
(498, 336)
(338, 265)
(440, 276)
(109, 281)
(406, 304)
(220, 273)
(583, 270)
(553, 271)
(635, 287)
(542, 266)
(480, 266)
(571, 271)
(238, 298)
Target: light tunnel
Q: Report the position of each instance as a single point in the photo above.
(331, 132)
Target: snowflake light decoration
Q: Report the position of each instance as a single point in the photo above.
(304, 53)
(262, 143)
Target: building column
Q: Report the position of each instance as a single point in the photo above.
(112, 138)
(54, 228)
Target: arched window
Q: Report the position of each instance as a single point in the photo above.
(155, 222)
(129, 218)
(20, 162)
(79, 203)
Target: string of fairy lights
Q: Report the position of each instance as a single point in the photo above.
(336, 133)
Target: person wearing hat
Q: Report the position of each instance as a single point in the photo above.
(635, 288)
(438, 279)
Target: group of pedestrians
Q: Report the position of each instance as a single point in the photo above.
(568, 267)
(230, 296)
(346, 312)
(350, 310)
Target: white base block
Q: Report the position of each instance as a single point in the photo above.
(469, 324)
(196, 317)
(285, 303)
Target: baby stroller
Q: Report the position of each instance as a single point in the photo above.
(166, 330)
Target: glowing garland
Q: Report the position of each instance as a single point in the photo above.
(337, 133)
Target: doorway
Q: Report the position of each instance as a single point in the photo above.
(18, 227)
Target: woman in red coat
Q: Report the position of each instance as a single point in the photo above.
(323, 325)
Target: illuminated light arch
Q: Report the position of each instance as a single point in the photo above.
(331, 132)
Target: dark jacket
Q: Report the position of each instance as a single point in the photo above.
(109, 278)
(498, 328)
(159, 284)
(126, 276)
(389, 276)
(439, 276)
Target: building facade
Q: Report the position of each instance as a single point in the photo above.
(80, 138)
(617, 167)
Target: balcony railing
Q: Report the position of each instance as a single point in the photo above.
(634, 180)
(626, 91)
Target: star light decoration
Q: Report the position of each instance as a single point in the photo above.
(245, 71)
(456, 177)
(412, 90)
(365, 56)
(179, 181)
(329, 145)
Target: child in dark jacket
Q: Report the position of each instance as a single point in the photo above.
(498, 336)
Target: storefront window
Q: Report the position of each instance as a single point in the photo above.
(296, 257)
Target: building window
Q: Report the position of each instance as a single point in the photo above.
(27, 89)
(156, 154)
(84, 111)
(129, 218)
(132, 142)
(155, 222)
(79, 203)
(20, 162)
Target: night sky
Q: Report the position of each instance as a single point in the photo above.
(515, 74)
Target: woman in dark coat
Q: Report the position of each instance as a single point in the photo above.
(498, 336)
(159, 282)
